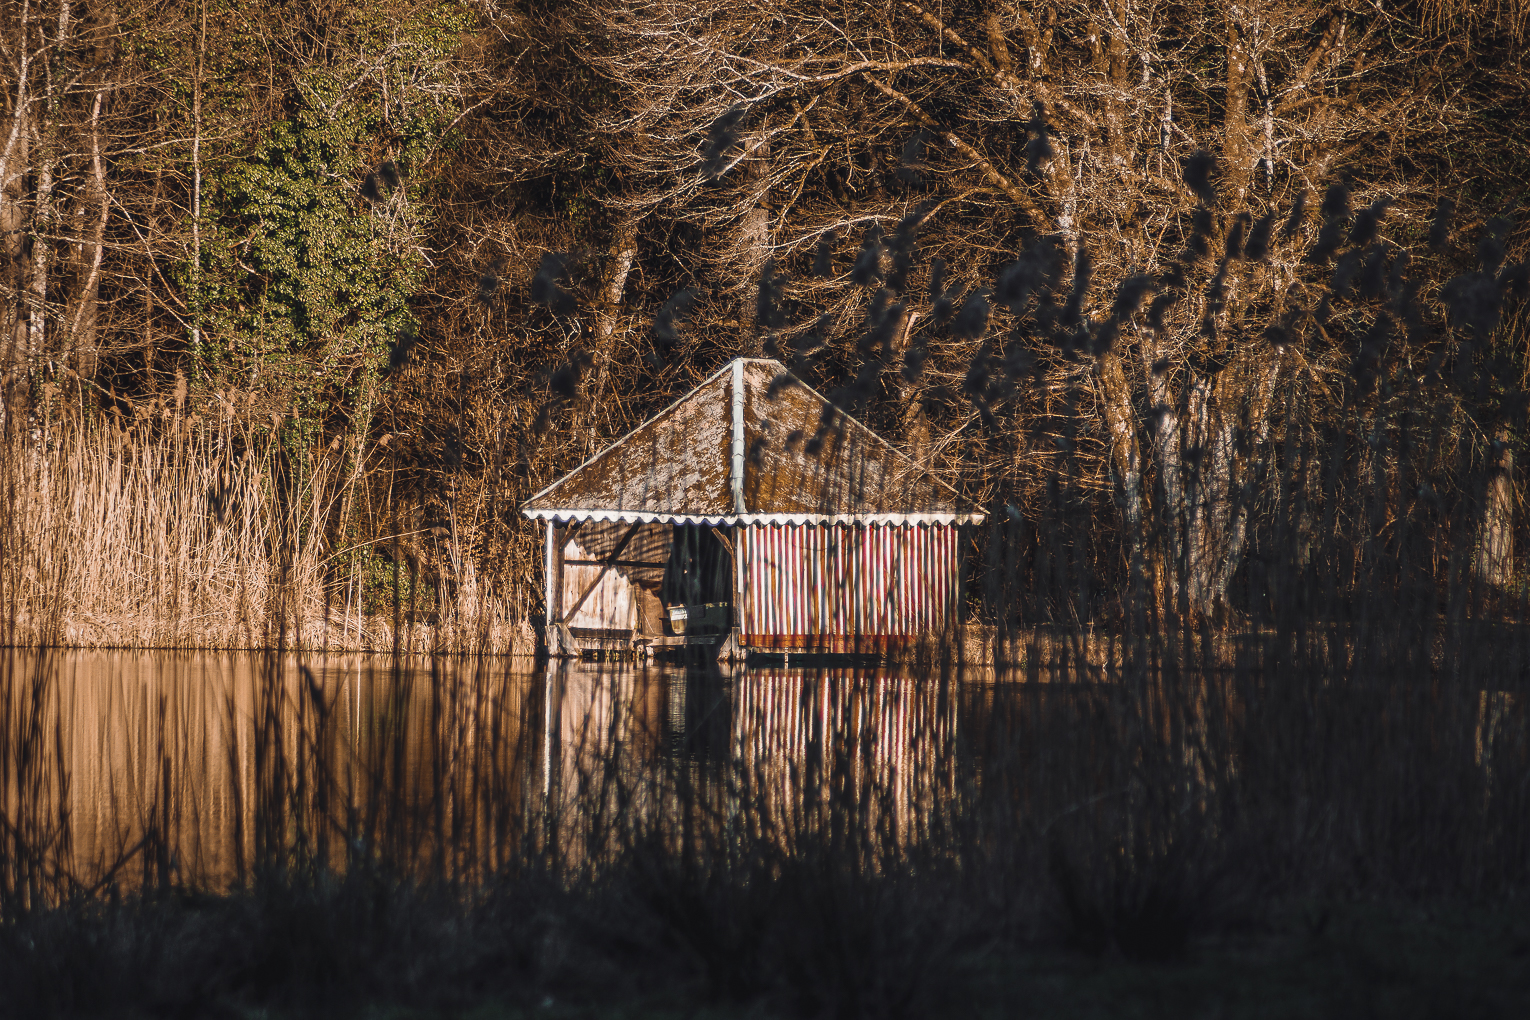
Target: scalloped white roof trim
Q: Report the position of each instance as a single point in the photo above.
(641, 517)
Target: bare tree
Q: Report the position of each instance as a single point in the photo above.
(772, 127)
(1088, 242)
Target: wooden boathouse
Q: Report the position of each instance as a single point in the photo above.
(750, 515)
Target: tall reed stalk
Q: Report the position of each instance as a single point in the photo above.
(179, 530)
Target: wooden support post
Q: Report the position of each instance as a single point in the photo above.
(730, 544)
(735, 548)
(552, 585)
(556, 632)
(738, 589)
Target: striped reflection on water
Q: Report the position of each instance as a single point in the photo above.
(825, 738)
(784, 741)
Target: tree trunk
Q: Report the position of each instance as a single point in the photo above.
(196, 196)
(1236, 143)
(753, 246)
(15, 242)
(43, 227)
(607, 317)
(14, 158)
(44, 210)
(82, 323)
(913, 424)
(1126, 458)
(1493, 562)
(1244, 468)
(1206, 456)
(1164, 425)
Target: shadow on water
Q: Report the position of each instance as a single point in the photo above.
(833, 842)
(204, 770)
(852, 828)
(189, 768)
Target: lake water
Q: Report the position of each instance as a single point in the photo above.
(195, 766)
(201, 769)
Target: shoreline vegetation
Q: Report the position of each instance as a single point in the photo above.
(179, 530)
(1218, 312)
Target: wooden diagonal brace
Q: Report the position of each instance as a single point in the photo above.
(608, 563)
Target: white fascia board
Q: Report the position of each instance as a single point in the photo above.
(729, 520)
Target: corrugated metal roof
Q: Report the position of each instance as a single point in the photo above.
(806, 462)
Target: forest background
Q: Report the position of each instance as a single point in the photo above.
(1217, 310)
(298, 303)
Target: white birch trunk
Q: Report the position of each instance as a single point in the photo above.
(82, 323)
(14, 154)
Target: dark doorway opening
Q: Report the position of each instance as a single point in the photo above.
(697, 590)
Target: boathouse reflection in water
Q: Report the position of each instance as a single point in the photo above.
(777, 738)
(189, 748)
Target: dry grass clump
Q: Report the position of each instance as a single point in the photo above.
(183, 530)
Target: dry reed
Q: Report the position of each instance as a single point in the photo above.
(203, 531)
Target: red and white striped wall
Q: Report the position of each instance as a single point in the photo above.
(837, 587)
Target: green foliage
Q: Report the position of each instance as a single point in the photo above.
(306, 283)
(306, 271)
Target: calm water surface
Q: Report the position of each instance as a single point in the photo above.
(203, 755)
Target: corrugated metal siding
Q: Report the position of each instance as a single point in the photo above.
(833, 586)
